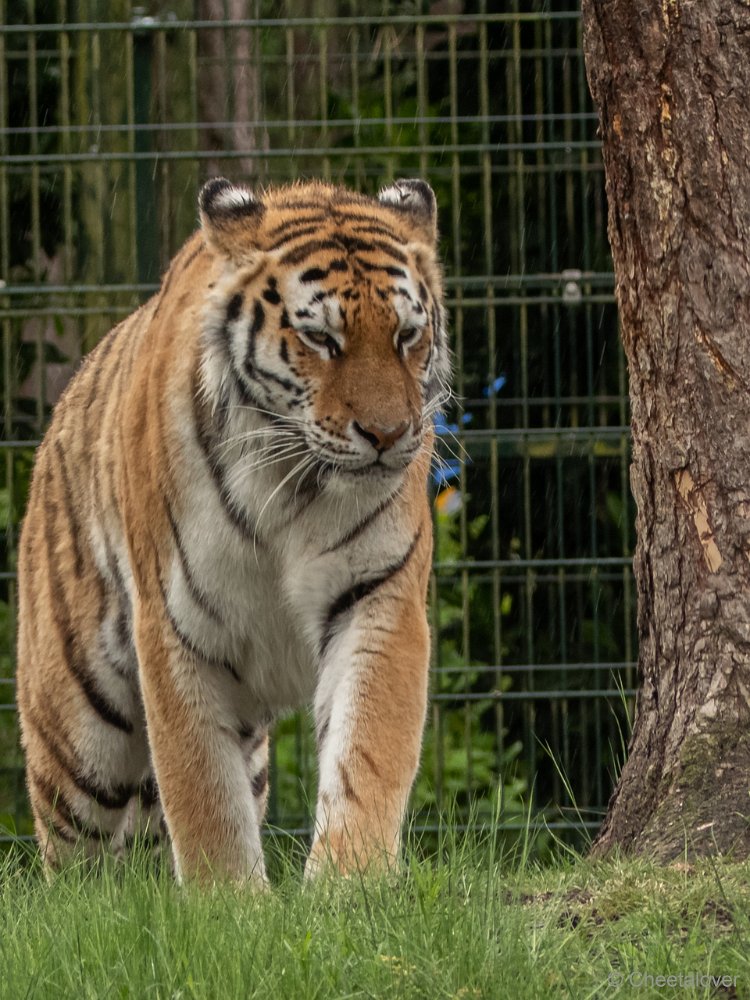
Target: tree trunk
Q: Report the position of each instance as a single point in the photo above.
(229, 90)
(672, 82)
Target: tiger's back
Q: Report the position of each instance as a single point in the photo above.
(228, 519)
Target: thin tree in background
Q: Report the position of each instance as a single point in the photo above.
(230, 98)
(671, 79)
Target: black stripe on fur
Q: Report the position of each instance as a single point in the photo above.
(187, 643)
(73, 655)
(349, 598)
(198, 596)
(115, 798)
(362, 526)
(239, 518)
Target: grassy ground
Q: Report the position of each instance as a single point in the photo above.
(463, 925)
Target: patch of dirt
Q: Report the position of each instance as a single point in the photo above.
(579, 908)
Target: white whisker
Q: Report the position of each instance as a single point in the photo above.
(300, 480)
(299, 466)
(274, 436)
(462, 457)
(287, 456)
(284, 418)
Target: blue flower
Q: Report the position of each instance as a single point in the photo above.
(445, 471)
(441, 427)
(494, 387)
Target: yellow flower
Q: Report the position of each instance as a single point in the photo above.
(449, 501)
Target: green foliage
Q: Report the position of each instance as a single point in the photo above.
(471, 921)
(293, 772)
(462, 765)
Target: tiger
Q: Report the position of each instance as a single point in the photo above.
(228, 520)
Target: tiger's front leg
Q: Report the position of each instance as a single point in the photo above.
(208, 773)
(370, 710)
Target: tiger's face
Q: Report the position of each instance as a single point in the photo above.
(329, 312)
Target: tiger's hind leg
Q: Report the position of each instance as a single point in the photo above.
(83, 732)
(64, 836)
(80, 709)
(88, 779)
(142, 824)
(87, 759)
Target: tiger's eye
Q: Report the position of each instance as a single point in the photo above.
(322, 339)
(407, 338)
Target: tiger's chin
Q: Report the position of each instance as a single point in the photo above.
(375, 470)
(368, 475)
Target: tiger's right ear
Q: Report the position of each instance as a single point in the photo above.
(415, 200)
(230, 215)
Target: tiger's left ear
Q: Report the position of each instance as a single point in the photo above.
(415, 199)
(230, 216)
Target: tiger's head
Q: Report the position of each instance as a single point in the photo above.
(327, 315)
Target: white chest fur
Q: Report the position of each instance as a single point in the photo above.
(257, 566)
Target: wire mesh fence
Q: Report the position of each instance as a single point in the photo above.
(110, 118)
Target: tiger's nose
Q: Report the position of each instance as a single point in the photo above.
(381, 438)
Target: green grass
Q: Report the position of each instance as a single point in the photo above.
(462, 924)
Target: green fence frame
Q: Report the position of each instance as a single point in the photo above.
(103, 144)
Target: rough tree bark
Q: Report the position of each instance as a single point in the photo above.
(671, 79)
(229, 89)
